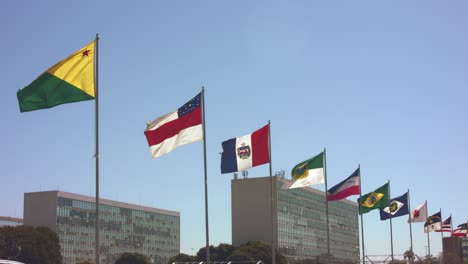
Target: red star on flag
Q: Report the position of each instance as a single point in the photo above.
(85, 53)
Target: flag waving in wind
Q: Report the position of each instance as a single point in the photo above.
(349, 186)
(461, 231)
(374, 200)
(246, 152)
(177, 128)
(398, 206)
(70, 80)
(419, 214)
(446, 225)
(308, 172)
(434, 222)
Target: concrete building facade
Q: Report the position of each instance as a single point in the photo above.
(123, 227)
(455, 248)
(295, 218)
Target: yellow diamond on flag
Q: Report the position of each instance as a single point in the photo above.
(372, 199)
(301, 172)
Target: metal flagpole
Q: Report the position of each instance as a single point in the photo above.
(428, 240)
(359, 211)
(391, 216)
(273, 238)
(96, 155)
(441, 227)
(326, 202)
(206, 180)
(410, 230)
(451, 225)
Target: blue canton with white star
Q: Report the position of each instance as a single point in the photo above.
(189, 106)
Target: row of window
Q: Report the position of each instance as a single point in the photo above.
(121, 230)
(302, 225)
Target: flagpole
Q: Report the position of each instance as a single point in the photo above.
(206, 180)
(441, 227)
(451, 225)
(359, 211)
(96, 155)
(410, 229)
(326, 202)
(273, 246)
(391, 216)
(428, 240)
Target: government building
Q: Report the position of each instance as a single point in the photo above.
(123, 227)
(298, 221)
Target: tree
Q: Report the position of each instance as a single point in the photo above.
(132, 258)
(255, 251)
(9, 243)
(409, 255)
(219, 253)
(30, 244)
(181, 257)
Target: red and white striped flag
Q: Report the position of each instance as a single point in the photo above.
(461, 231)
(446, 225)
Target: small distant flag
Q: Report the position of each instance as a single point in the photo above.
(307, 173)
(398, 206)
(446, 225)
(419, 214)
(374, 200)
(434, 222)
(348, 187)
(461, 231)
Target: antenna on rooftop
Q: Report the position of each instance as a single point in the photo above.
(245, 174)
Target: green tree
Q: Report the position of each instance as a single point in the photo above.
(9, 243)
(219, 253)
(132, 258)
(255, 251)
(181, 257)
(30, 244)
(251, 251)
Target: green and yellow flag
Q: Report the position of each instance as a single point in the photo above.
(309, 172)
(70, 80)
(374, 200)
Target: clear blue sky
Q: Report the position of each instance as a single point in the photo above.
(382, 84)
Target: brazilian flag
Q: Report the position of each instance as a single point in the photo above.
(374, 200)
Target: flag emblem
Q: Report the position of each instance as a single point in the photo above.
(302, 171)
(244, 151)
(372, 199)
(433, 223)
(434, 219)
(377, 199)
(416, 213)
(394, 207)
(397, 207)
